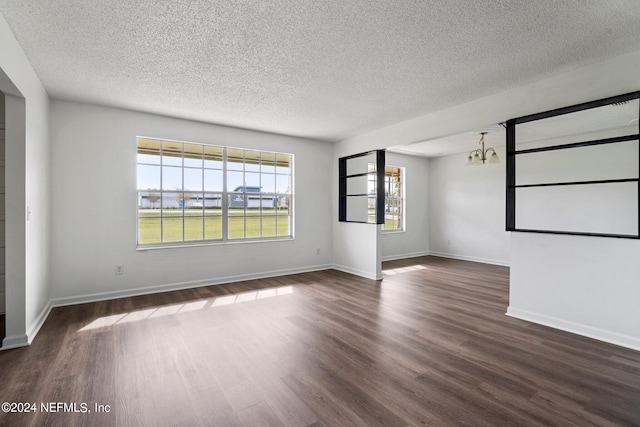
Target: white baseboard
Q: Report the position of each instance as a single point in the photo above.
(14, 341)
(404, 256)
(34, 328)
(23, 340)
(576, 328)
(103, 296)
(357, 272)
(471, 258)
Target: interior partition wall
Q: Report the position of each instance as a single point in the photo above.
(575, 170)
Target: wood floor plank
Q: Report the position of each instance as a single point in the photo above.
(428, 345)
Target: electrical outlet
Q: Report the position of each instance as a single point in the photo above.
(317, 251)
(449, 242)
(119, 269)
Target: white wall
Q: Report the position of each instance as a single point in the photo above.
(94, 208)
(467, 209)
(356, 249)
(585, 285)
(414, 241)
(2, 207)
(27, 184)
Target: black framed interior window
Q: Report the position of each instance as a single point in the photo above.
(361, 187)
(575, 170)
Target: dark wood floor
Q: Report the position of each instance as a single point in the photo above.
(429, 345)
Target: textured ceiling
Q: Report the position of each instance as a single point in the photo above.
(326, 69)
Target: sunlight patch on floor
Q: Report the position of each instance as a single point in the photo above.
(170, 310)
(394, 271)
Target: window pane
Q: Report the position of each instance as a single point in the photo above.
(268, 182)
(235, 159)
(212, 201)
(256, 200)
(236, 227)
(236, 205)
(193, 203)
(148, 228)
(148, 151)
(283, 184)
(393, 203)
(172, 202)
(193, 228)
(283, 163)
(212, 180)
(193, 155)
(252, 181)
(253, 223)
(236, 202)
(268, 163)
(283, 226)
(251, 161)
(213, 226)
(192, 179)
(212, 157)
(394, 188)
(148, 177)
(172, 153)
(269, 206)
(390, 222)
(283, 204)
(269, 226)
(172, 229)
(372, 184)
(171, 178)
(392, 206)
(149, 200)
(235, 181)
(371, 208)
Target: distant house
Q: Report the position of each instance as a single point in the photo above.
(152, 200)
(249, 200)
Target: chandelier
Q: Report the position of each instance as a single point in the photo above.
(479, 155)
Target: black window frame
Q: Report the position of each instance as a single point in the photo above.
(512, 152)
(343, 178)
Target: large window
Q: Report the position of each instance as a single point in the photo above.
(190, 192)
(394, 198)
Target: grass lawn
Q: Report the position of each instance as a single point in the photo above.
(390, 221)
(196, 226)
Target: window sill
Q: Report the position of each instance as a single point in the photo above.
(392, 231)
(154, 246)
